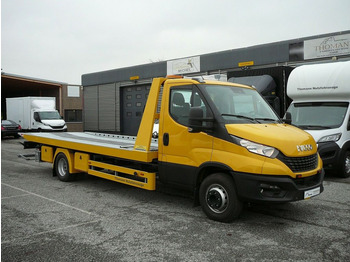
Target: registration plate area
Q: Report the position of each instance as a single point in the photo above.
(312, 192)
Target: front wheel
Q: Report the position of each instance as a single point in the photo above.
(218, 198)
(344, 170)
(62, 168)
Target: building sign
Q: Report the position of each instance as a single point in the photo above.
(133, 78)
(247, 63)
(184, 66)
(330, 46)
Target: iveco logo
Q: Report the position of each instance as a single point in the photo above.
(302, 148)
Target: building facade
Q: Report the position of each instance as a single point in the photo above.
(69, 98)
(114, 100)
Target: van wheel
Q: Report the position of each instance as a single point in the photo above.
(345, 168)
(62, 168)
(218, 198)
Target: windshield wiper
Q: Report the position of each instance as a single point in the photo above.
(314, 127)
(245, 117)
(267, 119)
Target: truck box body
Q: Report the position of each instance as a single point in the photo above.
(321, 97)
(219, 140)
(35, 113)
(279, 75)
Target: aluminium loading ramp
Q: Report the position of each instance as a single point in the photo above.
(119, 146)
(83, 144)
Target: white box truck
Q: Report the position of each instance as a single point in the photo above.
(321, 97)
(35, 113)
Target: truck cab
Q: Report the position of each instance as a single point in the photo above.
(320, 106)
(47, 120)
(211, 132)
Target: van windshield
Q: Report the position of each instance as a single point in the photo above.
(49, 115)
(239, 105)
(318, 115)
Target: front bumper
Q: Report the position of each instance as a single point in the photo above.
(52, 130)
(276, 189)
(330, 154)
(9, 132)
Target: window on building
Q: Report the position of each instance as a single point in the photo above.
(73, 115)
(73, 91)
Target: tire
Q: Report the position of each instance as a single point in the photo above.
(344, 170)
(62, 168)
(218, 198)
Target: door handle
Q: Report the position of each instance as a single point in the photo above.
(166, 139)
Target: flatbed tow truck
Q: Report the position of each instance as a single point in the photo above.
(219, 140)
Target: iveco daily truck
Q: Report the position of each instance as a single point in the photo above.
(321, 97)
(35, 113)
(219, 140)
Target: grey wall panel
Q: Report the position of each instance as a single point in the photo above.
(117, 107)
(91, 108)
(157, 69)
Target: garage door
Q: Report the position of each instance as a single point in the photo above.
(133, 103)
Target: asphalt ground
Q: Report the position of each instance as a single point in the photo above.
(91, 219)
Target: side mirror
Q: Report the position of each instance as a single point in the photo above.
(287, 118)
(197, 122)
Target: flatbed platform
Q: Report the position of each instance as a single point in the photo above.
(120, 146)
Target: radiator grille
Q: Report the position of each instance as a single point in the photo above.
(299, 164)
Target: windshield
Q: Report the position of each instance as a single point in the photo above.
(240, 105)
(49, 115)
(318, 115)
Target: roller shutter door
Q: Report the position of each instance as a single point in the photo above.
(91, 108)
(102, 108)
(106, 108)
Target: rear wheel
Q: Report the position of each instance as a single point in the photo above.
(218, 198)
(62, 168)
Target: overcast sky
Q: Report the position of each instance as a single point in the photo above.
(60, 40)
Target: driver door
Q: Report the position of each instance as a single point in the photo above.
(182, 152)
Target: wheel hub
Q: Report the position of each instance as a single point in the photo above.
(347, 164)
(217, 199)
(62, 167)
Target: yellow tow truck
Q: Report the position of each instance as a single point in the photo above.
(219, 140)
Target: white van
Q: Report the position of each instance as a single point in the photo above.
(35, 113)
(321, 96)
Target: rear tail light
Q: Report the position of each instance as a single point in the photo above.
(19, 127)
(2, 128)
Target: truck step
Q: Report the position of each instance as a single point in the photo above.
(129, 176)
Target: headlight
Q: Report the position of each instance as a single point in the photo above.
(255, 148)
(330, 138)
